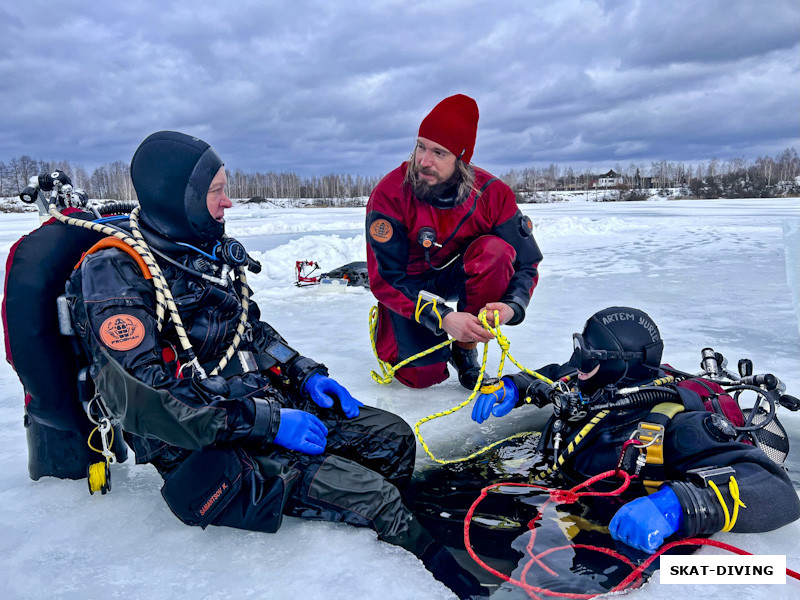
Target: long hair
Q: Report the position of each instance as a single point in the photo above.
(466, 179)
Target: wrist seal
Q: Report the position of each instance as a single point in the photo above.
(702, 512)
(266, 421)
(300, 369)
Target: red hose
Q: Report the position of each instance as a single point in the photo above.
(632, 581)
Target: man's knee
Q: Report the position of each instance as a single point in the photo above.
(422, 377)
(358, 495)
(379, 440)
(488, 252)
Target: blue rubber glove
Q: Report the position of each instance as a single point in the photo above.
(323, 390)
(646, 522)
(301, 431)
(498, 403)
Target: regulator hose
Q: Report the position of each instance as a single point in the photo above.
(116, 208)
(641, 399)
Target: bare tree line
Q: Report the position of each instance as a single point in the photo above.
(766, 176)
(112, 181)
(737, 177)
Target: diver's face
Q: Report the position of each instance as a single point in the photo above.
(216, 199)
(584, 376)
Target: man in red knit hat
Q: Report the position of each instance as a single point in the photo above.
(441, 229)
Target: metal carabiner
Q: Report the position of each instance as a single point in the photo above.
(104, 427)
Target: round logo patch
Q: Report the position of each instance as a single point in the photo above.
(525, 225)
(122, 332)
(381, 231)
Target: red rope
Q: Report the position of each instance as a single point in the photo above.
(634, 580)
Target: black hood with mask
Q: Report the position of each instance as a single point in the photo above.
(621, 329)
(172, 173)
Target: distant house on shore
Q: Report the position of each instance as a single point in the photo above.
(610, 179)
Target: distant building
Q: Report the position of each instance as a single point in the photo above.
(610, 179)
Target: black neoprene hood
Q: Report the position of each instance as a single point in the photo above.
(171, 173)
(621, 328)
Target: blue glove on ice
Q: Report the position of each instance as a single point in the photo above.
(301, 431)
(323, 390)
(644, 523)
(499, 403)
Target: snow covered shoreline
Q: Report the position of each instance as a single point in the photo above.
(710, 272)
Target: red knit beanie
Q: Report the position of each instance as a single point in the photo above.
(453, 123)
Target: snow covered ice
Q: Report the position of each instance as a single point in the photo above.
(719, 273)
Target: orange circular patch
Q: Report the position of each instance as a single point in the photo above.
(122, 332)
(381, 231)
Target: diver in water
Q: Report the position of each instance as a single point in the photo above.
(271, 434)
(707, 481)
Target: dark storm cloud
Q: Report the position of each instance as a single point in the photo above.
(318, 87)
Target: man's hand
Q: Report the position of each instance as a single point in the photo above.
(498, 403)
(301, 431)
(506, 313)
(324, 390)
(465, 327)
(644, 523)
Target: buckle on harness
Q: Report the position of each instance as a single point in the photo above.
(703, 476)
(648, 434)
(248, 361)
(649, 440)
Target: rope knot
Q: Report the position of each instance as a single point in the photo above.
(564, 496)
(503, 342)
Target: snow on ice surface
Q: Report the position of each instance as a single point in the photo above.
(711, 273)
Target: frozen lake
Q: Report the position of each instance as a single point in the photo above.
(717, 273)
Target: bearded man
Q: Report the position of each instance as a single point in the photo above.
(441, 229)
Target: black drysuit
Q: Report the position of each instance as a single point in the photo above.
(186, 432)
(691, 441)
(213, 440)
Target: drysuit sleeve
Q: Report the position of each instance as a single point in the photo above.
(533, 390)
(387, 261)
(768, 500)
(294, 369)
(113, 310)
(517, 231)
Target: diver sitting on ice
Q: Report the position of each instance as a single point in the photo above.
(699, 464)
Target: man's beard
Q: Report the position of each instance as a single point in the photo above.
(432, 193)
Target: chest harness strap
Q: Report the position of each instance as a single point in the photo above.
(649, 440)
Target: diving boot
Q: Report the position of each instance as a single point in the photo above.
(465, 360)
(444, 567)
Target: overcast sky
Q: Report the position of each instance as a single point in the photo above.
(324, 87)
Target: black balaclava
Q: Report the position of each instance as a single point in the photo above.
(622, 329)
(171, 173)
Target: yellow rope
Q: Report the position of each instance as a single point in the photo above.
(388, 374)
(387, 369)
(97, 475)
(505, 345)
(89, 441)
(420, 307)
(733, 488)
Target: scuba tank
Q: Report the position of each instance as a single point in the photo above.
(47, 362)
